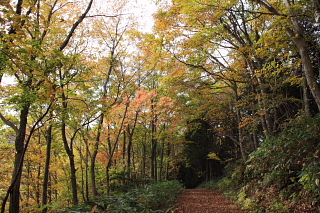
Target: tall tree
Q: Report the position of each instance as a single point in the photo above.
(25, 42)
(298, 33)
(220, 45)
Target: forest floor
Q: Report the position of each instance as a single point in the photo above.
(204, 201)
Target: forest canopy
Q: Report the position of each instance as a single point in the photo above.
(93, 104)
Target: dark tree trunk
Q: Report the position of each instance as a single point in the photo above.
(46, 171)
(18, 163)
(69, 151)
(73, 170)
(93, 158)
(130, 137)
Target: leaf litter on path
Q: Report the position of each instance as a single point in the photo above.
(204, 201)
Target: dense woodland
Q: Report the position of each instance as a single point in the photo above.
(225, 90)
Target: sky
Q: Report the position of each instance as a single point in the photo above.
(141, 9)
(144, 11)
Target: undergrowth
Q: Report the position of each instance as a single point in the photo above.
(282, 175)
(157, 197)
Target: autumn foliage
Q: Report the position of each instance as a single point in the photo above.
(92, 106)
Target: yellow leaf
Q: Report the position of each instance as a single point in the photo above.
(213, 156)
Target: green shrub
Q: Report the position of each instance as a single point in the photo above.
(250, 204)
(288, 163)
(161, 195)
(281, 174)
(158, 197)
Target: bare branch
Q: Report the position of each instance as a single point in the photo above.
(106, 16)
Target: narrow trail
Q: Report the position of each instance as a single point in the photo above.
(204, 201)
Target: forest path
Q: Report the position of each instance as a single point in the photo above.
(204, 201)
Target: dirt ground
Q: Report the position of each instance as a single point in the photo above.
(204, 201)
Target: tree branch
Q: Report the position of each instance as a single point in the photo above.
(75, 25)
(9, 123)
(106, 16)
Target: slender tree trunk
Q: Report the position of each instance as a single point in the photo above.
(238, 116)
(87, 176)
(168, 153)
(109, 163)
(113, 149)
(108, 179)
(73, 170)
(28, 176)
(124, 144)
(82, 177)
(130, 138)
(144, 159)
(69, 151)
(154, 143)
(161, 175)
(240, 138)
(93, 174)
(73, 180)
(38, 189)
(129, 149)
(93, 158)
(153, 156)
(14, 206)
(46, 170)
(306, 101)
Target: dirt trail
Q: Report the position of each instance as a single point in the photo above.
(204, 201)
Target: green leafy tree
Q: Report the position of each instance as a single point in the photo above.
(25, 42)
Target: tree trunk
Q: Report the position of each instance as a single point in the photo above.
(83, 177)
(307, 67)
(168, 153)
(73, 170)
(129, 149)
(154, 143)
(21, 144)
(46, 171)
(69, 151)
(113, 149)
(87, 176)
(306, 101)
(161, 161)
(298, 37)
(14, 206)
(93, 158)
(144, 159)
(130, 137)
(93, 174)
(238, 116)
(297, 34)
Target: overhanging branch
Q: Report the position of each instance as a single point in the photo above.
(9, 123)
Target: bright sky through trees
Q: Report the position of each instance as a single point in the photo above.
(144, 10)
(141, 10)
